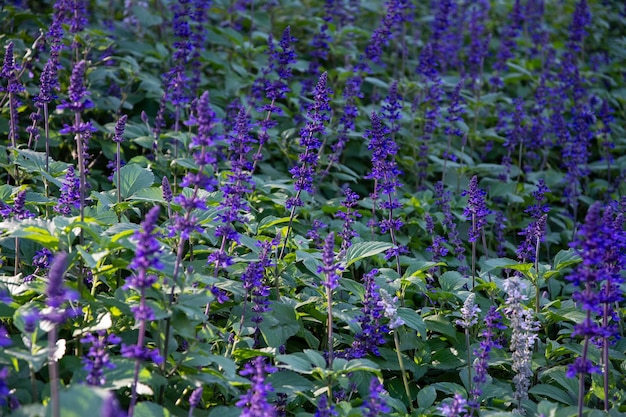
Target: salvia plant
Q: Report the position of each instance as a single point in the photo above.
(323, 208)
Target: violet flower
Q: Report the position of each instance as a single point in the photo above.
(317, 115)
(372, 334)
(535, 231)
(254, 403)
(476, 209)
(4, 386)
(324, 409)
(442, 201)
(254, 284)
(601, 243)
(10, 71)
(238, 183)
(194, 400)
(524, 334)
(97, 358)
(455, 408)
(489, 341)
(111, 407)
(385, 173)
(145, 261)
(70, 193)
(375, 404)
(349, 218)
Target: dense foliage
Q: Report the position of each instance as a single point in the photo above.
(298, 208)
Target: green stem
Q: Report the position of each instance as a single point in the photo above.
(405, 379)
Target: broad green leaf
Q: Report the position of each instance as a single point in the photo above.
(566, 258)
(315, 358)
(297, 362)
(413, 320)
(440, 324)
(146, 16)
(361, 250)
(451, 281)
(279, 325)
(134, 178)
(289, 382)
(79, 401)
(150, 409)
(426, 396)
(361, 365)
(552, 392)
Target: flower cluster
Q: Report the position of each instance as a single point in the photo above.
(317, 115)
(349, 217)
(97, 358)
(385, 172)
(375, 403)
(253, 282)
(601, 243)
(254, 402)
(523, 337)
(372, 332)
(476, 210)
(18, 211)
(535, 232)
(77, 99)
(237, 185)
(469, 312)
(488, 341)
(442, 201)
(329, 268)
(57, 294)
(390, 309)
(70, 193)
(146, 259)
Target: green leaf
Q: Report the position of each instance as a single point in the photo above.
(451, 281)
(296, 362)
(289, 382)
(150, 409)
(280, 325)
(413, 320)
(566, 258)
(550, 391)
(145, 17)
(440, 324)
(79, 401)
(315, 358)
(134, 178)
(427, 396)
(363, 250)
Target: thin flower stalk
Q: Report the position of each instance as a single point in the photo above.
(118, 138)
(390, 311)
(476, 211)
(146, 260)
(469, 317)
(524, 335)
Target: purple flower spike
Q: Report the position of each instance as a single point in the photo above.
(119, 129)
(77, 100)
(254, 402)
(70, 193)
(195, 398)
(317, 115)
(375, 404)
(57, 293)
(476, 209)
